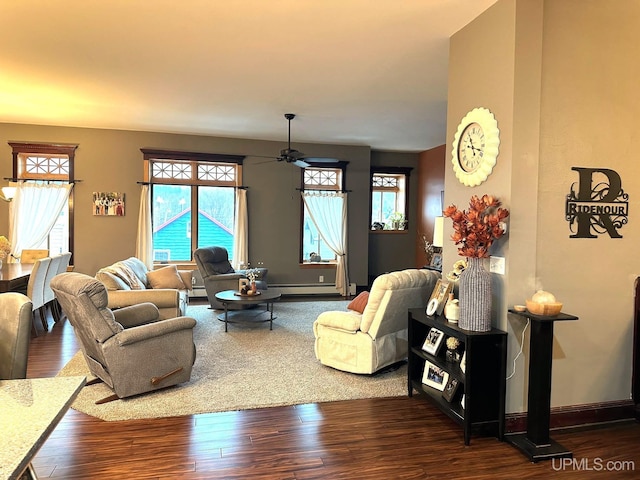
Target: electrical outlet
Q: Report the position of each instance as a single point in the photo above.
(497, 265)
(321, 278)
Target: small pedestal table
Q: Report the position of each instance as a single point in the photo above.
(535, 443)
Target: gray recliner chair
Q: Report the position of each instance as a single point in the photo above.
(218, 274)
(15, 335)
(130, 349)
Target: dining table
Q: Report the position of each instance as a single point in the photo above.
(14, 277)
(30, 409)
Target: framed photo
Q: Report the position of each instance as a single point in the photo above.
(463, 362)
(450, 389)
(436, 261)
(433, 341)
(108, 204)
(438, 298)
(434, 376)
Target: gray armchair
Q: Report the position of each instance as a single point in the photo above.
(130, 349)
(15, 335)
(218, 274)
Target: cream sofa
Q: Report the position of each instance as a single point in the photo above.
(369, 341)
(129, 282)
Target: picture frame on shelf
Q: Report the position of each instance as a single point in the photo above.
(436, 262)
(438, 297)
(463, 362)
(433, 341)
(450, 389)
(434, 376)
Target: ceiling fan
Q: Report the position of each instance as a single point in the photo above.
(291, 155)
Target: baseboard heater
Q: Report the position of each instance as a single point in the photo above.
(310, 289)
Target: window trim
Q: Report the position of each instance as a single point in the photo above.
(381, 170)
(339, 165)
(151, 154)
(43, 148)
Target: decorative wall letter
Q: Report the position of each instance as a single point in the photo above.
(599, 206)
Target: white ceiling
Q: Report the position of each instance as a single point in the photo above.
(363, 72)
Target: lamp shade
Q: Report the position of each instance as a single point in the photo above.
(9, 192)
(438, 232)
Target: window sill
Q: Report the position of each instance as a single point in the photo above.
(305, 265)
(388, 232)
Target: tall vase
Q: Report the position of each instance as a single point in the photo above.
(475, 297)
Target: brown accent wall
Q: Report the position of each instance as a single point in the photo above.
(431, 166)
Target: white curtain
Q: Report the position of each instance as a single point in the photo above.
(144, 240)
(33, 212)
(328, 211)
(241, 231)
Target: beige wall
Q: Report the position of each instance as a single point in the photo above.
(590, 106)
(559, 76)
(110, 160)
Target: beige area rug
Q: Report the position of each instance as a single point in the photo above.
(247, 367)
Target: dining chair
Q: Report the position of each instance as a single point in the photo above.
(49, 297)
(35, 290)
(30, 256)
(15, 323)
(59, 264)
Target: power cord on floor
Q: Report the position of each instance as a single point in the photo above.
(520, 352)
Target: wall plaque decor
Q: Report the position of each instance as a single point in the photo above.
(599, 206)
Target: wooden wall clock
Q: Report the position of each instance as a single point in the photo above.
(475, 147)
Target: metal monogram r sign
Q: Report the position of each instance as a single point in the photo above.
(599, 206)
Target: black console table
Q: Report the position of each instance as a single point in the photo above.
(536, 443)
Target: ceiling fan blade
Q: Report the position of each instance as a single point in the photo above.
(301, 163)
(321, 160)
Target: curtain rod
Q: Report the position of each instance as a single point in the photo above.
(10, 179)
(320, 190)
(241, 187)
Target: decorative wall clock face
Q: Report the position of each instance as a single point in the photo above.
(475, 147)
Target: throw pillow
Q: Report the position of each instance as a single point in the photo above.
(166, 277)
(358, 303)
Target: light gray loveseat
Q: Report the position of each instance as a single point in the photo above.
(129, 282)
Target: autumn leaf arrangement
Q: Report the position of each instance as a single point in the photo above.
(475, 229)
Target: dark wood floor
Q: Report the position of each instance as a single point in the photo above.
(395, 438)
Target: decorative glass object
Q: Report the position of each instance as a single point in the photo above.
(452, 309)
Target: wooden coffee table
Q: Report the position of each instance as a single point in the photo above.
(230, 297)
